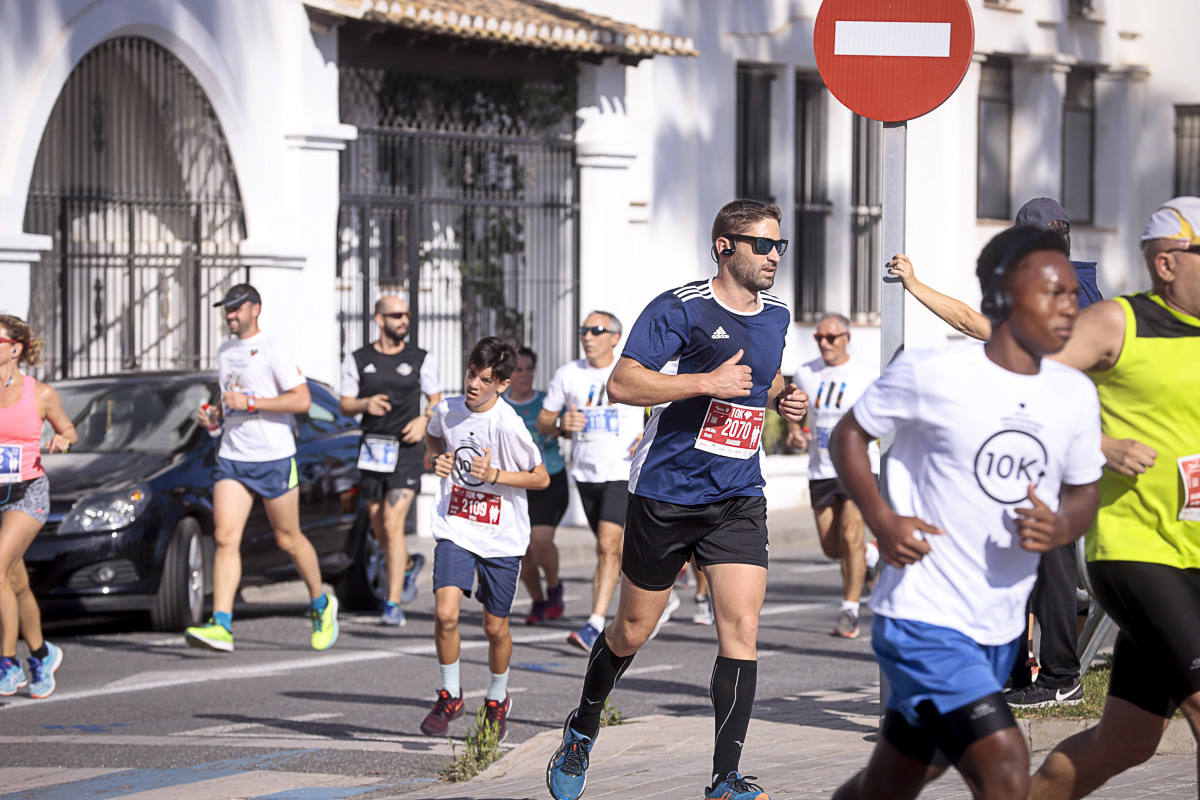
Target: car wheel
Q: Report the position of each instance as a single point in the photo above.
(180, 599)
(364, 585)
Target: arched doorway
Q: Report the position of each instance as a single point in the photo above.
(134, 182)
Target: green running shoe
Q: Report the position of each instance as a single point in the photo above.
(213, 636)
(325, 624)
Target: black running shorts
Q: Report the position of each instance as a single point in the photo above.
(1156, 661)
(825, 492)
(660, 537)
(604, 502)
(547, 506)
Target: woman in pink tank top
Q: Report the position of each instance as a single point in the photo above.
(25, 404)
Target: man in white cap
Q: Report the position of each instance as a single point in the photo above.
(1142, 351)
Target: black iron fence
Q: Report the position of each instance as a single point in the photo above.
(134, 182)
(469, 210)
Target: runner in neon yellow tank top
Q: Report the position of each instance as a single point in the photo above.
(1143, 352)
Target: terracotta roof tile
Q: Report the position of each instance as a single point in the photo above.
(528, 23)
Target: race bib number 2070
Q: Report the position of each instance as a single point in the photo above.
(731, 430)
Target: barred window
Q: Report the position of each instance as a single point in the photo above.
(865, 215)
(754, 132)
(1081, 8)
(812, 199)
(993, 190)
(1079, 144)
(1187, 150)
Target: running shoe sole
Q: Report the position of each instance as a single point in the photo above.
(575, 639)
(204, 643)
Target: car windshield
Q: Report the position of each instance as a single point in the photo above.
(133, 416)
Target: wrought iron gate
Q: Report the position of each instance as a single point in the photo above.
(459, 194)
(134, 181)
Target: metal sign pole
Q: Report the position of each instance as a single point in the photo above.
(891, 305)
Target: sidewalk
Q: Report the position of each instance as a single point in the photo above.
(800, 746)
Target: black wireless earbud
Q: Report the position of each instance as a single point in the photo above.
(728, 251)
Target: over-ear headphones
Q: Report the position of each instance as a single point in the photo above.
(996, 303)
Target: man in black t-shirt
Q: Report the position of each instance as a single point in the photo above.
(383, 382)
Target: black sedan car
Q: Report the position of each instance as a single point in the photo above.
(131, 521)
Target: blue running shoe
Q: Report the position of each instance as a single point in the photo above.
(566, 774)
(393, 615)
(585, 637)
(41, 672)
(409, 592)
(736, 787)
(12, 677)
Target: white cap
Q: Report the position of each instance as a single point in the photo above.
(1178, 218)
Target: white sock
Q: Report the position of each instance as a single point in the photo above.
(498, 688)
(450, 679)
(596, 621)
(872, 555)
(851, 606)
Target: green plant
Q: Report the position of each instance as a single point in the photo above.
(480, 750)
(611, 715)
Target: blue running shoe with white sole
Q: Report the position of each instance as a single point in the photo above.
(566, 774)
(41, 672)
(409, 592)
(12, 677)
(393, 615)
(736, 787)
(585, 637)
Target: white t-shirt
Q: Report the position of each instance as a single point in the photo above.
(970, 437)
(261, 366)
(489, 520)
(601, 451)
(831, 393)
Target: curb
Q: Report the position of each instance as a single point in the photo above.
(1043, 735)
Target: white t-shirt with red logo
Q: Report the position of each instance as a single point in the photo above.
(489, 520)
(260, 366)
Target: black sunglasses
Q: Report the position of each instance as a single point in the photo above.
(762, 245)
(595, 330)
(829, 337)
(393, 314)
(1195, 248)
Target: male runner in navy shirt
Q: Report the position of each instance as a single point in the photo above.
(706, 356)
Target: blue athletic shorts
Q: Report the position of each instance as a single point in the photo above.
(929, 662)
(456, 566)
(265, 478)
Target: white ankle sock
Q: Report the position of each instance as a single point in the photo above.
(498, 688)
(596, 621)
(450, 679)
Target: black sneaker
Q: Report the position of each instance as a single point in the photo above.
(1038, 696)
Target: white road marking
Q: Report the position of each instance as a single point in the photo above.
(651, 668)
(221, 730)
(921, 39)
(804, 569)
(483, 692)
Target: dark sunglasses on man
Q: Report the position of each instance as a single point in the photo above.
(761, 244)
(393, 314)
(828, 337)
(595, 330)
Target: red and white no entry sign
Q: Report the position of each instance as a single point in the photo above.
(893, 60)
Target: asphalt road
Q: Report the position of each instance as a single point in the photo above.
(137, 711)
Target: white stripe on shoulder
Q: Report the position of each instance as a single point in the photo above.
(770, 299)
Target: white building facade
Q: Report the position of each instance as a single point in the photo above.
(509, 172)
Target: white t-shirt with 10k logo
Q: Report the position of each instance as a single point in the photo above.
(970, 438)
(489, 520)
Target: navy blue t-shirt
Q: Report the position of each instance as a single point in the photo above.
(701, 449)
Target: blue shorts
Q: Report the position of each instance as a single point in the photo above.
(457, 566)
(266, 479)
(929, 662)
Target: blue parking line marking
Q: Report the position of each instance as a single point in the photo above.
(119, 784)
(318, 792)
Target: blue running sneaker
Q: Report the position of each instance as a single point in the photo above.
(12, 677)
(393, 615)
(585, 637)
(409, 592)
(41, 672)
(736, 787)
(566, 774)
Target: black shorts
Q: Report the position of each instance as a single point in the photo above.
(825, 492)
(661, 537)
(409, 466)
(604, 502)
(547, 506)
(1156, 661)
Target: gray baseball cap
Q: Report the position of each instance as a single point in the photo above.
(1040, 212)
(237, 295)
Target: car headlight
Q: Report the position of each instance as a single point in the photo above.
(106, 512)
